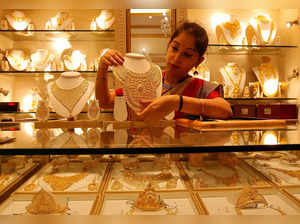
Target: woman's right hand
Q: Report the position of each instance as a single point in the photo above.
(110, 58)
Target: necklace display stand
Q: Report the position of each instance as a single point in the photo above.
(69, 94)
(268, 78)
(140, 78)
(235, 78)
(230, 32)
(261, 30)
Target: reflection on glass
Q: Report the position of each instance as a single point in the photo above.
(270, 138)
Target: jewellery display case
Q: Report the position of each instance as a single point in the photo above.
(108, 167)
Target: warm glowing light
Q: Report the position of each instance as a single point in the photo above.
(60, 44)
(28, 127)
(271, 87)
(21, 25)
(144, 50)
(27, 103)
(93, 25)
(219, 18)
(270, 138)
(53, 22)
(48, 76)
(288, 25)
(78, 131)
(136, 11)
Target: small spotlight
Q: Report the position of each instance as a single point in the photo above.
(289, 24)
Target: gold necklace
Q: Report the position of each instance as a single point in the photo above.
(262, 19)
(266, 71)
(69, 97)
(58, 183)
(233, 27)
(236, 86)
(228, 181)
(141, 180)
(292, 173)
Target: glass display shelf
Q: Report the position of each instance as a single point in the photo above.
(247, 49)
(49, 35)
(112, 139)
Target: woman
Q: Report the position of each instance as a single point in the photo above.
(182, 93)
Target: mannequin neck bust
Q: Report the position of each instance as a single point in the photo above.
(136, 63)
(69, 80)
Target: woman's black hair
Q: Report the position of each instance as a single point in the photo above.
(194, 29)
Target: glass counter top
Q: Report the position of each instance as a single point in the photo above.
(26, 140)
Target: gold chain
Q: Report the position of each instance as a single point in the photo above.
(69, 97)
(236, 86)
(141, 180)
(58, 183)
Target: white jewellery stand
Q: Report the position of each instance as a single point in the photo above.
(140, 79)
(233, 79)
(264, 82)
(68, 82)
(230, 32)
(261, 30)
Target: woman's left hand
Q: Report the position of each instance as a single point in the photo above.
(157, 109)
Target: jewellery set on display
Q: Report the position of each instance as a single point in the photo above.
(148, 200)
(251, 199)
(234, 77)
(44, 202)
(69, 94)
(230, 32)
(144, 84)
(261, 30)
(59, 183)
(268, 77)
(17, 20)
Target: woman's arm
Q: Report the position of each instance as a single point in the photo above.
(105, 97)
(160, 107)
(212, 108)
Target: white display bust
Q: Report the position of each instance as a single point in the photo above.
(230, 32)
(69, 94)
(235, 78)
(261, 30)
(140, 78)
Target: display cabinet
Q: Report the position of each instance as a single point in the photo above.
(107, 167)
(147, 169)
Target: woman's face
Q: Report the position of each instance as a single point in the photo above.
(182, 55)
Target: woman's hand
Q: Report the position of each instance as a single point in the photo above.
(157, 109)
(110, 58)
